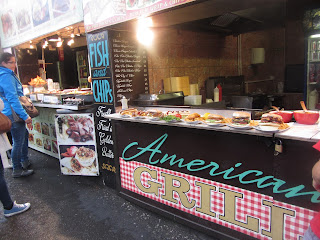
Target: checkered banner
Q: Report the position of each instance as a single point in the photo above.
(251, 213)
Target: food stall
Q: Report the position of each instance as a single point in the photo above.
(231, 181)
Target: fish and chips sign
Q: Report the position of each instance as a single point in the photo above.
(99, 14)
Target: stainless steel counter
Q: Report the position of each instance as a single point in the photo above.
(308, 133)
(62, 106)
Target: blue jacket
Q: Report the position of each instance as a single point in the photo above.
(10, 91)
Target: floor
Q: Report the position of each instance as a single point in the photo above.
(73, 207)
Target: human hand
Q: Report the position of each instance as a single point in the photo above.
(316, 176)
(28, 120)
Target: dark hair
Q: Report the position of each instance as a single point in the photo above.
(5, 57)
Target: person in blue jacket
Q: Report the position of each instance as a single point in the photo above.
(10, 91)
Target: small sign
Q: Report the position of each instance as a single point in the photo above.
(33, 97)
(40, 96)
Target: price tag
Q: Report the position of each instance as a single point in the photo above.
(33, 97)
(40, 96)
(47, 99)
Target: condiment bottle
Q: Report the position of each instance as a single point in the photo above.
(124, 103)
(313, 99)
(220, 92)
(216, 94)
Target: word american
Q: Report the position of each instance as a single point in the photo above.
(261, 181)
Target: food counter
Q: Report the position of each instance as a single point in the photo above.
(227, 182)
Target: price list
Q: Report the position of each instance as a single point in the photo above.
(130, 67)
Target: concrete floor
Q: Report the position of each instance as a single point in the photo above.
(73, 207)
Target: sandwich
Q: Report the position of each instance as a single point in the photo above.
(215, 118)
(270, 119)
(241, 118)
(193, 117)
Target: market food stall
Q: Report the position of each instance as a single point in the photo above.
(231, 182)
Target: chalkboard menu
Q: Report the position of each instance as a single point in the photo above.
(103, 95)
(129, 66)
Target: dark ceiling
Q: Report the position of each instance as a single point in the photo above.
(220, 16)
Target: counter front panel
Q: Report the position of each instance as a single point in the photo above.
(226, 183)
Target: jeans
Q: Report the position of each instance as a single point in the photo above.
(20, 137)
(4, 193)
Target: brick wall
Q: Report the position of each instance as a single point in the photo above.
(200, 55)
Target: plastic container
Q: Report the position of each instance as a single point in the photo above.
(216, 94)
(124, 103)
(193, 100)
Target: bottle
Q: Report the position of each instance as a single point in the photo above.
(313, 99)
(220, 92)
(50, 84)
(216, 94)
(124, 103)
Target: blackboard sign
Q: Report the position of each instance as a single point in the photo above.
(102, 87)
(129, 66)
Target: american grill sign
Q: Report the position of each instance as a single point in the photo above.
(248, 212)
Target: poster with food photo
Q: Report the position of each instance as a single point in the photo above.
(75, 129)
(78, 160)
(45, 129)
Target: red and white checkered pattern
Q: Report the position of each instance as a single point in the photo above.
(249, 205)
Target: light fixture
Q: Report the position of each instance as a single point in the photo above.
(77, 32)
(59, 44)
(72, 35)
(31, 46)
(70, 42)
(55, 39)
(144, 33)
(45, 43)
(315, 36)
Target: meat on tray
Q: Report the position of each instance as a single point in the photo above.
(81, 129)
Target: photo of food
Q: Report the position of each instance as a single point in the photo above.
(54, 146)
(60, 7)
(47, 144)
(30, 126)
(39, 142)
(31, 138)
(37, 127)
(79, 160)
(23, 20)
(8, 24)
(45, 129)
(53, 130)
(40, 12)
(77, 128)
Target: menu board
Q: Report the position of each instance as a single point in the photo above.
(103, 95)
(129, 65)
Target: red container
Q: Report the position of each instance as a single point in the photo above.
(308, 117)
(286, 115)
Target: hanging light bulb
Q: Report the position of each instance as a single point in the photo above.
(144, 34)
(59, 44)
(70, 42)
(72, 35)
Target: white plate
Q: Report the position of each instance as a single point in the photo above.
(125, 116)
(271, 129)
(193, 122)
(173, 121)
(240, 126)
(139, 117)
(153, 118)
(215, 124)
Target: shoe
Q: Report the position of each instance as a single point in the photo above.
(26, 164)
(21, 173)
(16, 209)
